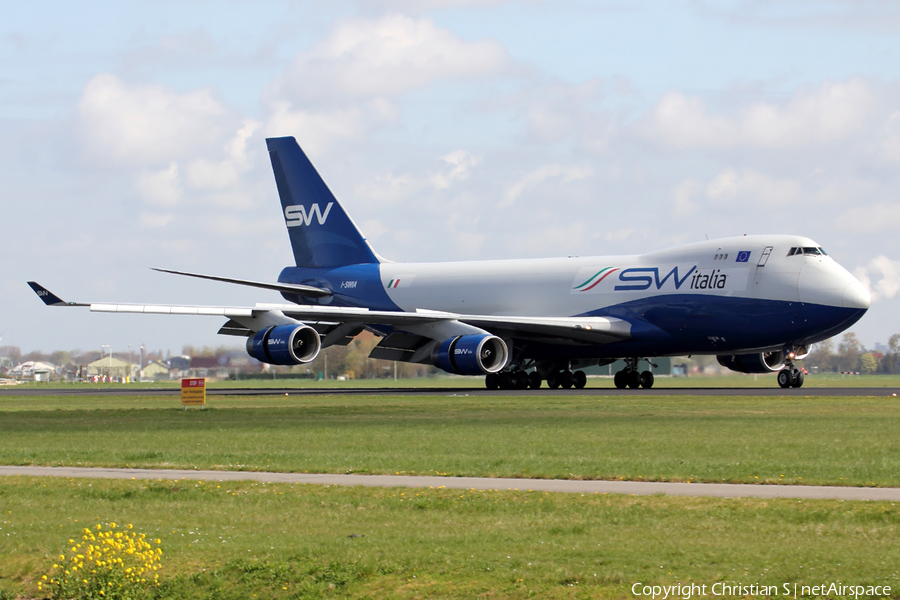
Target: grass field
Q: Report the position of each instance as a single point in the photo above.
(241, 539)
(238, 539)
(809, 440)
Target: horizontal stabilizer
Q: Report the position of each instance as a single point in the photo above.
(49, 298)
(289, 288)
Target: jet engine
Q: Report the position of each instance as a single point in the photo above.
(285, 345)
(764, 362)
(471, 354)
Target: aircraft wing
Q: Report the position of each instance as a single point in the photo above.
(424, 324)
(597, 330)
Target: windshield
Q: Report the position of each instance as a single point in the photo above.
(807, 251)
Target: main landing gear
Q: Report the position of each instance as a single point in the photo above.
(519, 379)
(631, 377)
(790, 376)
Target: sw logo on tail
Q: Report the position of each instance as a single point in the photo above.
(296, 215)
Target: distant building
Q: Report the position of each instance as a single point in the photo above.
(113, 368)
(178, 366)
(155, 371)
(37, 370)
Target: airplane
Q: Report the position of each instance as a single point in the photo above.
(756, 302)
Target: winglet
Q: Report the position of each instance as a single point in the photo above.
(49, 298)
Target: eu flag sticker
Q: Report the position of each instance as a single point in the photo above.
(743, 256)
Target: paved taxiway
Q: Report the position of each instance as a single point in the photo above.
(126, 390)
(722, 490)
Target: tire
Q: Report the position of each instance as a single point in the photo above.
(553, 380)
(534, 380)
(647, 380)
(492, 381)
(785, 379)
(567, 379)
(621, 380)
(634, 380)
(579, 379)
(798, 379)
(520, 380)
(506, 381)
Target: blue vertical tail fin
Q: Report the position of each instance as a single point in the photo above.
(321, 232)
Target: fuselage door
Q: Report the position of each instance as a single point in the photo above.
(765, 256)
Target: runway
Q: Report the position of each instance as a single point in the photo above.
(126, 390)
(718, 490)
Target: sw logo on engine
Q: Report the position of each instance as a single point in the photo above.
(296, 214)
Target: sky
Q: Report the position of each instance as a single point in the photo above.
(132, 135)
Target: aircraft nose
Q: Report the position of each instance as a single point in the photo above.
(856, 296)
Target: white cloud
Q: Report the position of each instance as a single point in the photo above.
(539, 175)
(833, 112)
(147, 124)
(881, 277)
(382, 57)
(750, 186)
(461, 163)
(320, 130)
(207, 174)
(737, 187)
(161, 188)
(387, 189)
(154, 220)
(684, 197)
(890, 145)
(875, 218)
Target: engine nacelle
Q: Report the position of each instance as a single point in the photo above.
(285, 345)
(764, 362)
(472, 354)
(800, 352)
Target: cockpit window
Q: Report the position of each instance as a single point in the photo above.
(808, 251)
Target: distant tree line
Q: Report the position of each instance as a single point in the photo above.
(848, 354)
(61, 358)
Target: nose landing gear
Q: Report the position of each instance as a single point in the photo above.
(790, 376)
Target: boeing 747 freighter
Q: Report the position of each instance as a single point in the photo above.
(756, 302)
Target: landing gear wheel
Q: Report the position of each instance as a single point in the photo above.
(492, 381)
(579, 379)
(646, 380)
(798, 379)
(506, 381)
(520, 380)
(534, 380)
(553, 380)
(567, 379)
(634, 380)
(621, 380)
(785, 378)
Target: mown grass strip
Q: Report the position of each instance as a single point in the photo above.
(808, 440)
(237, 539)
